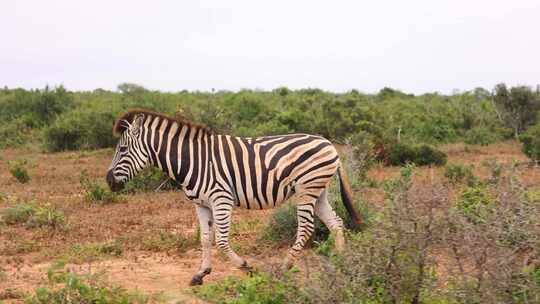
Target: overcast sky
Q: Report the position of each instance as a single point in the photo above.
(416, 46)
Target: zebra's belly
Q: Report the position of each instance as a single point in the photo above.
(267, 200)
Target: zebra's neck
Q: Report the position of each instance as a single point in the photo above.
(180, 150)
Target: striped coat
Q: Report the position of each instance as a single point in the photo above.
(219, 172)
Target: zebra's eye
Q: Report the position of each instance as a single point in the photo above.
(123, 149)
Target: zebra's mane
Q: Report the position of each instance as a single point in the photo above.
(124, 121)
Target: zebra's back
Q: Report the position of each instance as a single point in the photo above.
(263, 172)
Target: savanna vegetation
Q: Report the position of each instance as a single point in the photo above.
(391, 124)
(450, 206)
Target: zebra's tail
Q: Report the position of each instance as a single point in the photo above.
(347, 197)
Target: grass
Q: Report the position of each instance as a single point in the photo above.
(18, 170)
(33, 216)
(258, 288)
(64, 287)
(94, 192)
(20, 247)
(86, 253)
(166, 241)
(11, 294)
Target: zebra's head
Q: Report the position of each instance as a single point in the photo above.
(130, 156)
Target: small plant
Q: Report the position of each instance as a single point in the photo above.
(460, 174)
(17, 214)
(65, 287)
(18, 170)
(495, 170)
(33, 216)
(95, 193)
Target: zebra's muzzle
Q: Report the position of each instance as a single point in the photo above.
(113, 184)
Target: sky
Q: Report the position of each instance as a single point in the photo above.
(416, 46)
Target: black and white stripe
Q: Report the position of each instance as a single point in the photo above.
(220, 172)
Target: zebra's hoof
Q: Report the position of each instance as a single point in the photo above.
(247, 269)
(196, 280)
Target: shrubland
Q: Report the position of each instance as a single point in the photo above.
(423, 245)
(57, 119)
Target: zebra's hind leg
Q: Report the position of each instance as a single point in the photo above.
(204, 215)
(305, 209)
(222, 210)
(328, 216)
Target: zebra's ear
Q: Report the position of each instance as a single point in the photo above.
(137, 124)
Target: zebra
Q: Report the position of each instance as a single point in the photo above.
(219, 172)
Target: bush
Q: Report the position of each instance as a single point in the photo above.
(531, 142)
(149, 180)
(397, 258)
(422, 155)
(283, 225)
(13, 134)
(33, 216)
(95, 193)
(259, 288)
(427, 155)
(18, 170)
(457, 174)
(81, 129)
(480, 136)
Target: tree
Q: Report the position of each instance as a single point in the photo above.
(131, 88)
(517, 106)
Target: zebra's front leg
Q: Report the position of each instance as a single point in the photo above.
(305, 209)
(204, 215)
(222, 210)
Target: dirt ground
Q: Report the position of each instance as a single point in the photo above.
(26, 254)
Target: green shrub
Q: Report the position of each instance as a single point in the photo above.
(457, 174)
(33, 216)
(422, 155)
(283, 225)
(65, 287)
(36, 107)
(17, 214)
(19, 171)
(258, 288)
(149, 180)
(531, 142)
(13, 134)
(475, 203)
(480, 136)
(427, 155)
(81, 129)
(95, 193)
